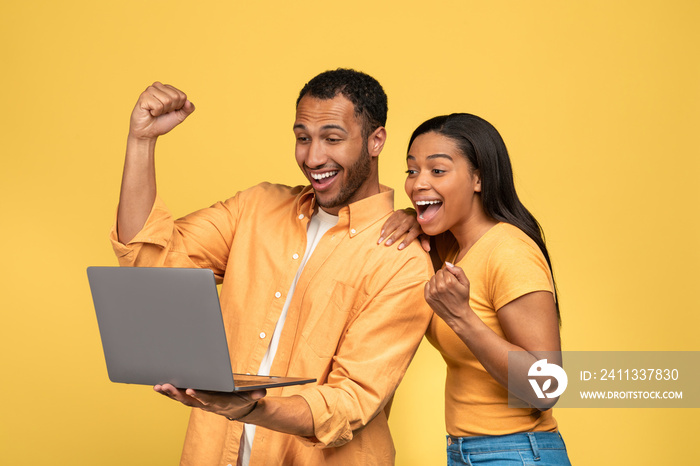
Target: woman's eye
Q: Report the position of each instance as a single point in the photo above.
(411, 172)
(437, 171)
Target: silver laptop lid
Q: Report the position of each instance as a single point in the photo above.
(161, 325)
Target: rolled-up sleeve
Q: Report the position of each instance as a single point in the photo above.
(201, 239)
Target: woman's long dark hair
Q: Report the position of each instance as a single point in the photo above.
(485, 150)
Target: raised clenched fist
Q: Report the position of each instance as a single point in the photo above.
(160, 108)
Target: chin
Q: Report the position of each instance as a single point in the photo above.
(326, 201)
(431, 230)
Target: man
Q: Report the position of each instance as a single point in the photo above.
(306, 288)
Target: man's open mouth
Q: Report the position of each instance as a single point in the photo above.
(321, 180)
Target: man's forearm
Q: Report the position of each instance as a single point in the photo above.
(138, 190)
(159, 109)
(291, 415)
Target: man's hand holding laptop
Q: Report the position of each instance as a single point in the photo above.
(233, 406)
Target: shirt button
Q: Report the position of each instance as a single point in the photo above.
(295, 256)
(278, 294)
(262, 335)
(301, 216)
(353, 231)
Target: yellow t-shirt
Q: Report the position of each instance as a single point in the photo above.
(503, 265)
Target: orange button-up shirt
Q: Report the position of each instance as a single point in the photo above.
(354, 323)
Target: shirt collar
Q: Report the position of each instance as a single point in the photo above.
(357, 216)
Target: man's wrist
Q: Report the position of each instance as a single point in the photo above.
(140, 145)
(255, 405)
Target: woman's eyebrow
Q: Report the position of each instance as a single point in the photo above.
(433, 156)
(437, 156)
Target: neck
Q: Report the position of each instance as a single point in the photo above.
(469, 230)
(369, 188)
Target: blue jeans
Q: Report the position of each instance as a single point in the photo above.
(531, 449)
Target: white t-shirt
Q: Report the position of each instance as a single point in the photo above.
(319, 224)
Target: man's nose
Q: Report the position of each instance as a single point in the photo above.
(316, 156)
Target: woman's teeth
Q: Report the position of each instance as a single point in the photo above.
(423, 206)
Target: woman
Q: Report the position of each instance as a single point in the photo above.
(495, 293)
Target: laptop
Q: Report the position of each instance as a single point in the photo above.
(164, 325)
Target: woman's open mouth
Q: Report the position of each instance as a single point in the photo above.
(427, 209)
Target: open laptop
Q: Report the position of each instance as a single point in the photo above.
(164, 325)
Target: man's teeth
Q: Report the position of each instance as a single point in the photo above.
(320, 176)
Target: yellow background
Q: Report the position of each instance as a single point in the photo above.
(598, 102)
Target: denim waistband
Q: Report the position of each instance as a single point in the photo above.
(527, 440)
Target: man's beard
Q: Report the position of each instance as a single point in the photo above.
(358, 173)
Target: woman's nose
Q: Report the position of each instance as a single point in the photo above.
(422, 182)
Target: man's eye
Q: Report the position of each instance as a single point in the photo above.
(437, 171)
(333, 140)
(302, 138)
(411, 172)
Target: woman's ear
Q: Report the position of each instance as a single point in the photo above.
(477, 181)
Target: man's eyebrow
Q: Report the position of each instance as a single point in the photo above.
(324, 127)
(433, 156)
(338, 127)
